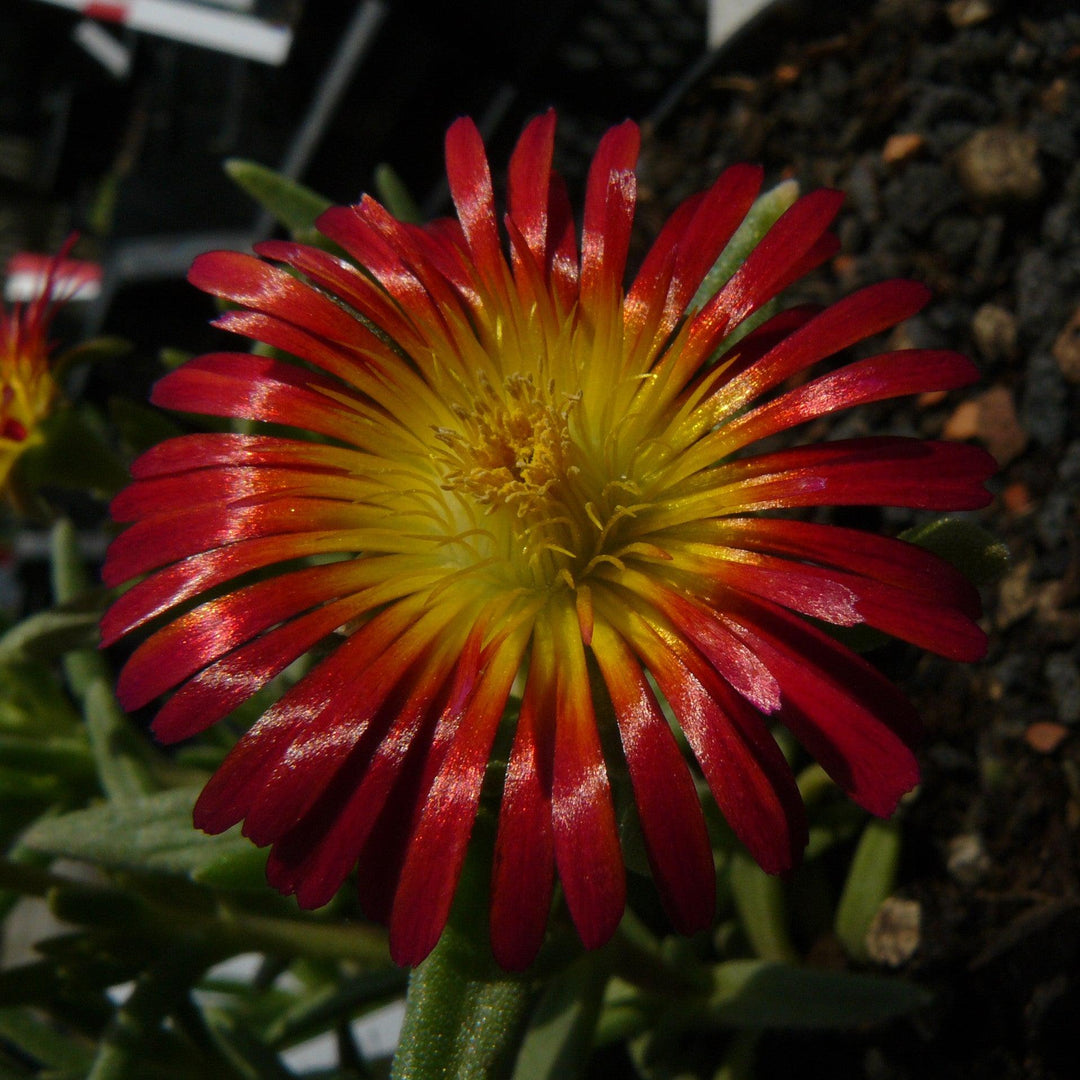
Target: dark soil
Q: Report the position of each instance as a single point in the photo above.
(954, 130)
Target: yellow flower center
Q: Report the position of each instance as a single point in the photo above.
(512, 449)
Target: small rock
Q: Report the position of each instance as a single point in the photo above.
(967, 860)
(994, 330)
(1066, 348)
(1000, 165)
(1063, 675)
(1016, 498)
(1045, 736)
(964, 422)
(1046, 396)
(990, 418)
(963, 13)
(901, 146)
(895, 932)
(1017, 596)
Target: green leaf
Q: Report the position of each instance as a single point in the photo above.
(870, 881)
(121, 754)
(59, 1053)
(395, 196)
(47, 635)
(93, 351)
(293, 205)
(317, 1009)
(760, 901)
(763, 215)
(463, 1014)
(73, 455)
(560, 1034)
(765, 994)
(148, 832)
(976, 553)
(243, 1049)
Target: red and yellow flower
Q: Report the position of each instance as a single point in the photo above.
(513, 481)
(27, 388)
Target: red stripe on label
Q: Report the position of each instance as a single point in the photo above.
(98, 9)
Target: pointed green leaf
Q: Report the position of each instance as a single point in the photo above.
(761, 218)
(394, 195)
(293, 205)
(764, 994)
(47, 635)
(762, 907)
(870, 881)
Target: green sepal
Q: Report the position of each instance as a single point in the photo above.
(762, 216)
(870, 881)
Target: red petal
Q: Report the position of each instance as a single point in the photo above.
(529, 183)
(344, 281)
(672, 823)
(470, 185)
(218, 689)
(609, 211)
(165, 538)
(313, 859)
(847, 715)
(686, 249)
(875, 379)
(766, 271)
(209, 631)
(895, 562)
(854, 318)
(437, 848)
(884, 471)
(523, 874)
(186, 453)
(257, 388)
(251, 283)
(308, 731)
(587, 849)
(747, 774)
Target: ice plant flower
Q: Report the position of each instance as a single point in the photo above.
(523, 503)
(27, 387)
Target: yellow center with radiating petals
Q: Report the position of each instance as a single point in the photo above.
(512, 449)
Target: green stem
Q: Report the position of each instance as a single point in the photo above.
(464, 1016)
(459, 1027)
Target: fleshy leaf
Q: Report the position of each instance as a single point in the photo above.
(871, 879)
(764, 994)
(150, 832)
(291, 203)
(970, 548)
